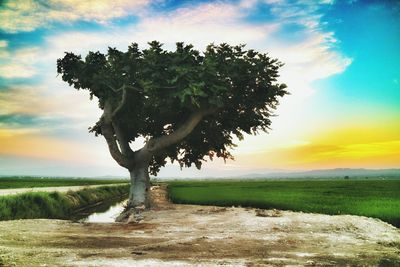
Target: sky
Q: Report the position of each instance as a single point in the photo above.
(342, 68)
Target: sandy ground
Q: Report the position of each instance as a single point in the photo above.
(16, 191)
(188, 235)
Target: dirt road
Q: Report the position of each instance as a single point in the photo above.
(185, 235)
(14, 191)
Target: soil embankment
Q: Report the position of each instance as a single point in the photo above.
(185, 235)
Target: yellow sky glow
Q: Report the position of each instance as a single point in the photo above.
(366, 147)
(28, 143)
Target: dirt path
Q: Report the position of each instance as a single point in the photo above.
(14, 191)
(186, 235)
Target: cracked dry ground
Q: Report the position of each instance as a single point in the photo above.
(186, 235)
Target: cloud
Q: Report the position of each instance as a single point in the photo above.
(42, 122)
(28, 15)
(3, 49)
(312, 58)
(313, 51)
(16, 120)
(199, 25)
(100, 11)
(13, 70)
(24, 109)
(203, 24)
(20, 63)
(24, 100)
(36, 122)
(46, 109)
(221, 22)
(307, 59)
(3, 43)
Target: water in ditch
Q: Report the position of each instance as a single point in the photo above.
(103, 213)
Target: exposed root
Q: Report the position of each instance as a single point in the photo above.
(131, 215)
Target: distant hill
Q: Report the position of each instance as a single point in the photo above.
(328, 173)
(267, 174)
(111, 177)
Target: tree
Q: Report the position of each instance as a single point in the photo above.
(188, 106)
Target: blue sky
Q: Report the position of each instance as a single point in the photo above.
(342, 67)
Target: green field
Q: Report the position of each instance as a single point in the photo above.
(372, 198)
(28, 182)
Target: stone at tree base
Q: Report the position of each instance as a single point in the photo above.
(158, 201)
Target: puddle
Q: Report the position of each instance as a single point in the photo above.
(108, 216)
(105, 213)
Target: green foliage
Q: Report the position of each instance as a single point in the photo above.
(27, 182)
(163, 88)
(55, 205)
(372, 198)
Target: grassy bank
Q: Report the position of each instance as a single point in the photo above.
(372, 198)
(55, 205)
(28, 182)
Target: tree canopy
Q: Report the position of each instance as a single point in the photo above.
(154, 93)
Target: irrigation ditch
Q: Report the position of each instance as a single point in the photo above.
(73, 205)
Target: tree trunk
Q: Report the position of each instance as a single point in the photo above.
(140, 186)
(139, 198)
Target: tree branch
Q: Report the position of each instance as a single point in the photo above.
(121, 103)
(123, 88)
(122, 141)
(184, 130)
(113, 134)
(107, 131)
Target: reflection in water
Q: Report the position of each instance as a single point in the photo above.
(109, 215)
(102, 215)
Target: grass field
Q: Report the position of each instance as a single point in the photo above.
(372, 198)
(28, 182)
